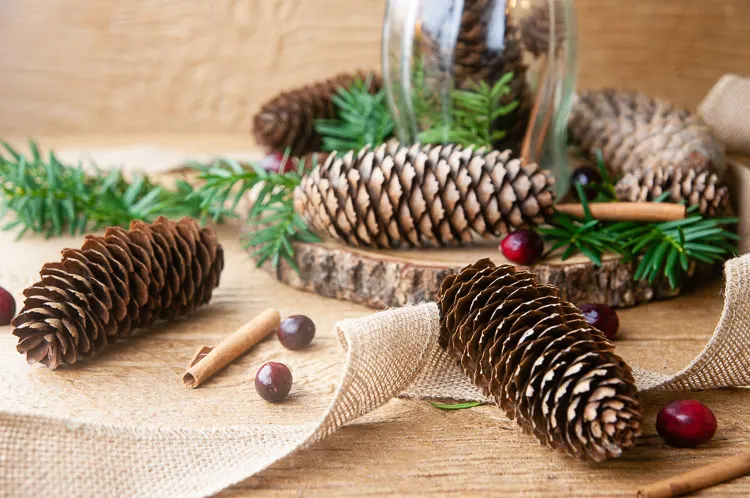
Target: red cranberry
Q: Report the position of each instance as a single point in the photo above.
(273, 381)
(296, 332)
(586, 176)
(275, 162)
(523, 247)
(602, 317)
(686, 423)
(7, 307)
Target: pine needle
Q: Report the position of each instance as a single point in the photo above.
(662, 251)
(363, 119)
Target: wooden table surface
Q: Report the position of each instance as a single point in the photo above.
(405, 447)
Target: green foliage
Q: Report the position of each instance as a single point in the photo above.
(663, 250)
(472, 115)
(273, 222)
(49, 197)
(363, 119)
(456, 406)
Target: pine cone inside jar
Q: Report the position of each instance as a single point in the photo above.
(536, 28)
(543, 364)
(288, 120)
(638, 133)
(395, 196)
(695, 187)
(114, 284)
(477, 59)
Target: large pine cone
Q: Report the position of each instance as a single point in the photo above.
(637, 133)
(536, 355)
(695, 187)
(288, 120)
(115, 284)
(395, 196)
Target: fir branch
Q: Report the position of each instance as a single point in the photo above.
(49, 197)
(274, 224)
(473, 115)
(363, 119)
(663, 250)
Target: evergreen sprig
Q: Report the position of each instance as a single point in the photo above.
(50, 197)
(473, 114)
(273, 222)
(363, 118)
(663, 250)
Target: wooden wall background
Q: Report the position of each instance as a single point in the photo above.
(197, 66)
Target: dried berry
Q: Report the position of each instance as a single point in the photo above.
(7, 307)
(296, 332)
(587, 177)
(602, 317)
(686, 423)
(273, 381)
(523, 247)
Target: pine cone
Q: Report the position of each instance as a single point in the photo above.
(396, 196)
(536, 355)
(638, 133)
(696, 187)
(115, 284)
(535, 28)
(475, 61)
(288, 120)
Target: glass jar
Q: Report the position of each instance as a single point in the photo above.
(494, 73)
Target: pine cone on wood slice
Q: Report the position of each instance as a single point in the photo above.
(288, 120)
(114, 284)
(394, 196)
(543, 364)
(637, 133)
(695, 187)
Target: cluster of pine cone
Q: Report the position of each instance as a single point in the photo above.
(114, 284)
(654, 146)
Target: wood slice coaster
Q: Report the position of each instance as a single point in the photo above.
(388, 278)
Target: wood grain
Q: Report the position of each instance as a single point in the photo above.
(387, 278)
(192, 66)
(404, 448)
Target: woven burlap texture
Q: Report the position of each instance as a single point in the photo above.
(388, 354)
(726, 109)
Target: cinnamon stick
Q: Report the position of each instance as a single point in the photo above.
(628, 211)
(700, 478)
(208, 361)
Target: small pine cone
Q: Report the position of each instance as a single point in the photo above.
(115, 284)
(536, 26)
(637, 133)
(394, 196)
(696, 187)
(543, 364)
(288, 120)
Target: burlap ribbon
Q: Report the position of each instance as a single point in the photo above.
(388, 354)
